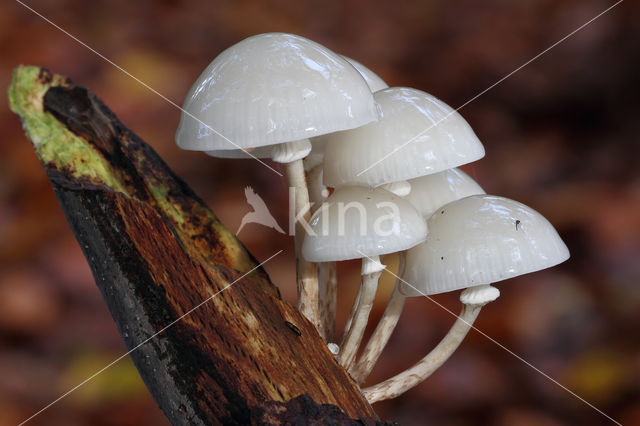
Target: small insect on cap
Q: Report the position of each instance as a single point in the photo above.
(270, 89)
(480, 240)
(357, 221)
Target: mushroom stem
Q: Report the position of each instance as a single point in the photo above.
(352, 314)
(328, 296)
(306, 272)
(327, 278)
(289, 152)
(378, 340)
(473, 300)
(318, 193)
(371, 271)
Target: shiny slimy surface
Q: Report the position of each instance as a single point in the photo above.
(401, 188)
(273, 88)
(356, 220)
(433, 191)
(480, 240)
(416, 135)
(374, 81)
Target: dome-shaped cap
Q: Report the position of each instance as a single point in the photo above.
(480, 240)
(416, 135)
(358, 221)
(273, 88)
(373, 80)
(433, 191)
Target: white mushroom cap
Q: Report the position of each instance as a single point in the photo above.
(281, 153)
(259, 152)
(430, 192)
(480, 240)
(273, 88)
(358, 221)
(416, 135)
(316, 156)
(373, 80)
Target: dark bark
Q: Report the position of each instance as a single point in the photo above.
(157, 251)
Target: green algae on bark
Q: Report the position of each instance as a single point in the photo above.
(54, 143)
(81, 146)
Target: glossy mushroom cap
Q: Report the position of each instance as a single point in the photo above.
(374, 81)
(480, 240)
(430, 192)
(416, 135)
(357, 221)
(273, 88)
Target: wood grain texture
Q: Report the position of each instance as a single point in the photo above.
(156, 251)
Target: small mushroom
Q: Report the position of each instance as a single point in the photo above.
(272, 92)
(273, 89)
(416, 135)
(362, 223)
(429, 193)
(472, 243)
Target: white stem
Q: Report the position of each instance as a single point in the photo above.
(372, 269)
(352, 314)
(328, 298)
(383, 331)
(306, 272)
(400, 383)
(318, 193)
(313, 160)
(327, 278)
(289, 152)
(368, 266)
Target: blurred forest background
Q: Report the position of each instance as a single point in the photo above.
(561, 136)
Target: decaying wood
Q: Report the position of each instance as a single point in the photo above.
(156, 251)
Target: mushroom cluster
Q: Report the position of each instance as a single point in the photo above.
(373, 171)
